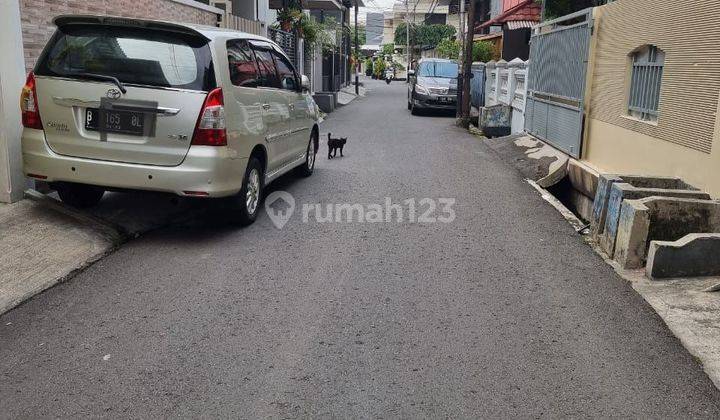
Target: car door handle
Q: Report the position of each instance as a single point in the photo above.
(266, 106)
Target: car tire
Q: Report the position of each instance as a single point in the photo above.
(307, 168)
(246, 204)
(80, 195)
(413, 110)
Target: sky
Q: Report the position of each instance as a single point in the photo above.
(374, 6)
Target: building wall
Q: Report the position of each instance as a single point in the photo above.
(388, 28)
(244, 9)
(686, 31)
(265, 14)
(374, 27)
(37, 16)
(685, 140)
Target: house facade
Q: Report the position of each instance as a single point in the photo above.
(418, 12)
(506, 24)
(653, 91)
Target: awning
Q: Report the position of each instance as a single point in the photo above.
(487, 37)
(528, 10)
(519, 24)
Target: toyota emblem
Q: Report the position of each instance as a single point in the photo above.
(113, 94)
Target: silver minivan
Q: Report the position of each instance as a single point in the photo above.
(433, 84)
(117, 103)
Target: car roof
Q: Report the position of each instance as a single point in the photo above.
(209, 32)
(439, 60)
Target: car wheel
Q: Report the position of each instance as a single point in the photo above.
(307, 168)
(247, 201)
(80, 195)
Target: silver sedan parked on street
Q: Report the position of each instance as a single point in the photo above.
(116, 103)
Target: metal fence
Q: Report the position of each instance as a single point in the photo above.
(477, 85)
(287, 41)
(556, 85)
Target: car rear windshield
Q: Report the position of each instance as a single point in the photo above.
(134, 56)
(445, 69)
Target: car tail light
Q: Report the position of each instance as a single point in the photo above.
(197, 193)
(29, 104)
(210, 128)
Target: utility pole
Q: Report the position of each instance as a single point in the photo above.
(357, 51)
(461, 36)
(464, 107)
(407, 35)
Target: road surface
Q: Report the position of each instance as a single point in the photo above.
(503, 312)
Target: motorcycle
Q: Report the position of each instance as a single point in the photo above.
(389, 76)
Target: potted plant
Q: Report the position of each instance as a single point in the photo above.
(289, 17)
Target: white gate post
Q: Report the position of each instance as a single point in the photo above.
(513, 66)
(12, 79)
(490, 83)
(501, 82)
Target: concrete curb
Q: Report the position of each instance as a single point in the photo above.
(98, 237)
(117, 232)
(6, 306)
(577, 224)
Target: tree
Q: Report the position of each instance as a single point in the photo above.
(557, 8)
(362, 35)
(431, 35)
(401, 34)
(482, 51)
(448, 48)
(423, 35)
(388, 49)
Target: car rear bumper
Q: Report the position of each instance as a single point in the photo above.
(433, 102)
(205, 171)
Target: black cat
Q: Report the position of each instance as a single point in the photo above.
(334, 145)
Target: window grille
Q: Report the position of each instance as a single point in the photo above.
(647, 72)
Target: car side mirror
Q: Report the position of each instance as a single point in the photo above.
(304, 83)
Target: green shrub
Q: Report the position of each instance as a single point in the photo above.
(379, 69)
(448, 48)
(482, 51)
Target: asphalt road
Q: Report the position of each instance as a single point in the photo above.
(503, 312)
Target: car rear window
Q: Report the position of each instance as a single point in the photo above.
(133, 55)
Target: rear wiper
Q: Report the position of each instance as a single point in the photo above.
(113, 79)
